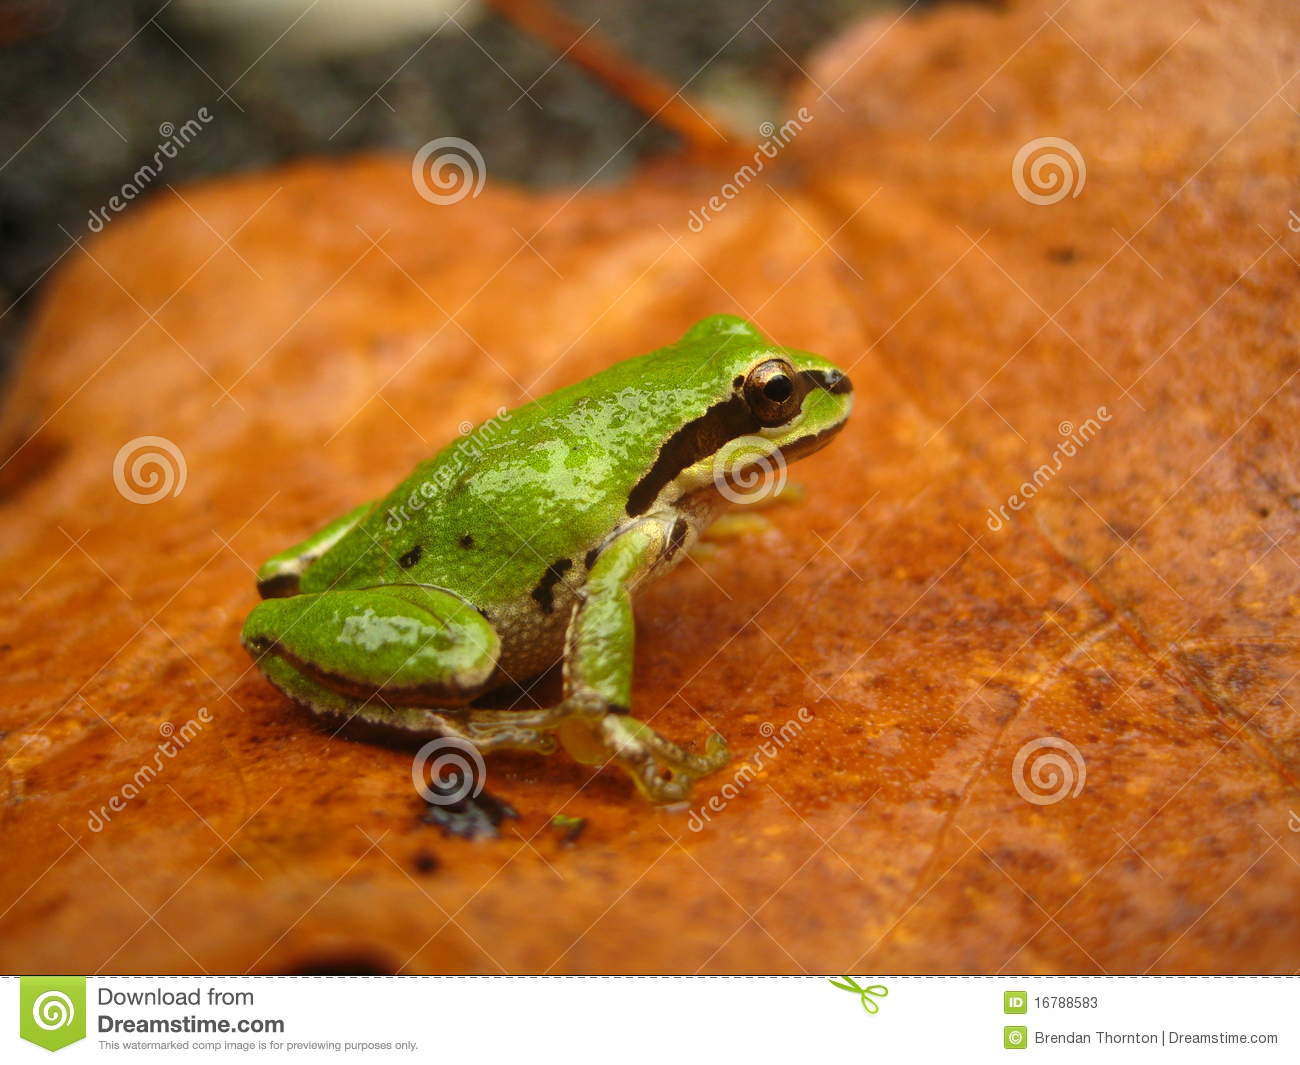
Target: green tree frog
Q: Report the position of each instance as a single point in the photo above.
(520, 545)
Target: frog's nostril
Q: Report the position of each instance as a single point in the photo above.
(838, 382)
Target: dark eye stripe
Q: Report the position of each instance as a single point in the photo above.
(718, 425)
(693, 441)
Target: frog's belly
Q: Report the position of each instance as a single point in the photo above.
(532, 639)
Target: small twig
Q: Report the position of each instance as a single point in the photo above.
(703, 132)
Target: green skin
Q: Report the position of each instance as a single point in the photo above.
(520, 545)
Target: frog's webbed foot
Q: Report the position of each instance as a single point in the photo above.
(598, 670)
(662, 771)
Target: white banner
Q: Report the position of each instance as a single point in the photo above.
(652, 1019)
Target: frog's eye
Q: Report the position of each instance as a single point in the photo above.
(771, 393)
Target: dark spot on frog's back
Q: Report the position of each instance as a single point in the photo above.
(466, 540)
(544, 593)
(411, 557)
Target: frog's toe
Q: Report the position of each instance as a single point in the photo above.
(660, 786)
(663, 772)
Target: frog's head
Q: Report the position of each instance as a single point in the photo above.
(760, 407)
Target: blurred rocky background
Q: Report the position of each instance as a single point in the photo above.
(92, 88)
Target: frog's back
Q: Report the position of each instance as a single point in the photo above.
(529, 494)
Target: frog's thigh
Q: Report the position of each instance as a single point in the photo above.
(411, 645)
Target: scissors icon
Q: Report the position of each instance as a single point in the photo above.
(867, 995)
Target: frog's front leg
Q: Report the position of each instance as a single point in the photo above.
(598, 672)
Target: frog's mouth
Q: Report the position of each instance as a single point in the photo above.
(806, 445)
(837, 383)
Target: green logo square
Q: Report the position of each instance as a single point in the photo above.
(1015, 1037)
(52, 1010)
(1015, 1002)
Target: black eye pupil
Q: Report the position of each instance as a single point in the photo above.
(779, 388)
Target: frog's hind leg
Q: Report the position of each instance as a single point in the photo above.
(406, 722)
(404, 646)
